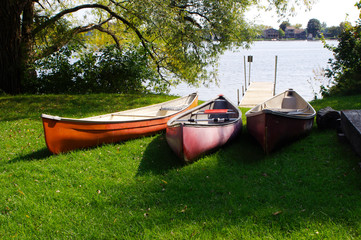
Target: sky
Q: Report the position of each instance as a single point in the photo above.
(332, 12)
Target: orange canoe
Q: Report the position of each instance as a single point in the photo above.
(66, 134)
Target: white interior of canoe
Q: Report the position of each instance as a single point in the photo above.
(287, 103)
(153, 111)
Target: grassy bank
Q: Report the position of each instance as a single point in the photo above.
(138, 189)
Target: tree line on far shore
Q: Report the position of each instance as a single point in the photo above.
(314, 30)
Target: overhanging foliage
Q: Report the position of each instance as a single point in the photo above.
(177, 35)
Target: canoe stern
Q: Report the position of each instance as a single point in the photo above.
(174, 136)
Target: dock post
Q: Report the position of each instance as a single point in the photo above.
(237, 97)
(250, 60)
(274, 85)
(245, 73)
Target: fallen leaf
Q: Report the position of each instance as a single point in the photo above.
(21, 192)
(184, 209)
(277, 213)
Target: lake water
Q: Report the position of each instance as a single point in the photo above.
(300, 65)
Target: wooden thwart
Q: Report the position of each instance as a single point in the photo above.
(132, 115)
(257, 93)
(214, 111)
(206, 120)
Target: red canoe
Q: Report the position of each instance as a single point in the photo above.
(280, 119)
(204, 128)
(66, 134)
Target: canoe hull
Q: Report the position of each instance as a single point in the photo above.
(272, 130)
(281, 118)
(64, 135)
(191, 142)
(204, 128)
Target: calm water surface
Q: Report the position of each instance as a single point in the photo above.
(299, 62)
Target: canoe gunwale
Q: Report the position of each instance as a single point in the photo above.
(76, 120)
(304, 113)
(92, 120)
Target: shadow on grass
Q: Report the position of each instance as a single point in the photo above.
(240, 184)
(158, 158)
(243, 150)
(34, 156)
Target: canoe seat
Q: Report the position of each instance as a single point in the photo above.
(164, 110)
(283, 109)
(219, 105)
(289, 102)
(172, 108)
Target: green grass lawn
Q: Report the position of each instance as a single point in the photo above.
(138, 189)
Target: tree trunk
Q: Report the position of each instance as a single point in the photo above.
(10, 40)
(27, 41)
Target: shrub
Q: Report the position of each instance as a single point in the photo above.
(345, 68)
(107, 70)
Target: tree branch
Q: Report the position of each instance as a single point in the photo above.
(101, 29)
(199, 14)
(191, 20)
(99, 6)
(58, 16)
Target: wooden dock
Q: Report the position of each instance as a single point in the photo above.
(257, 92)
